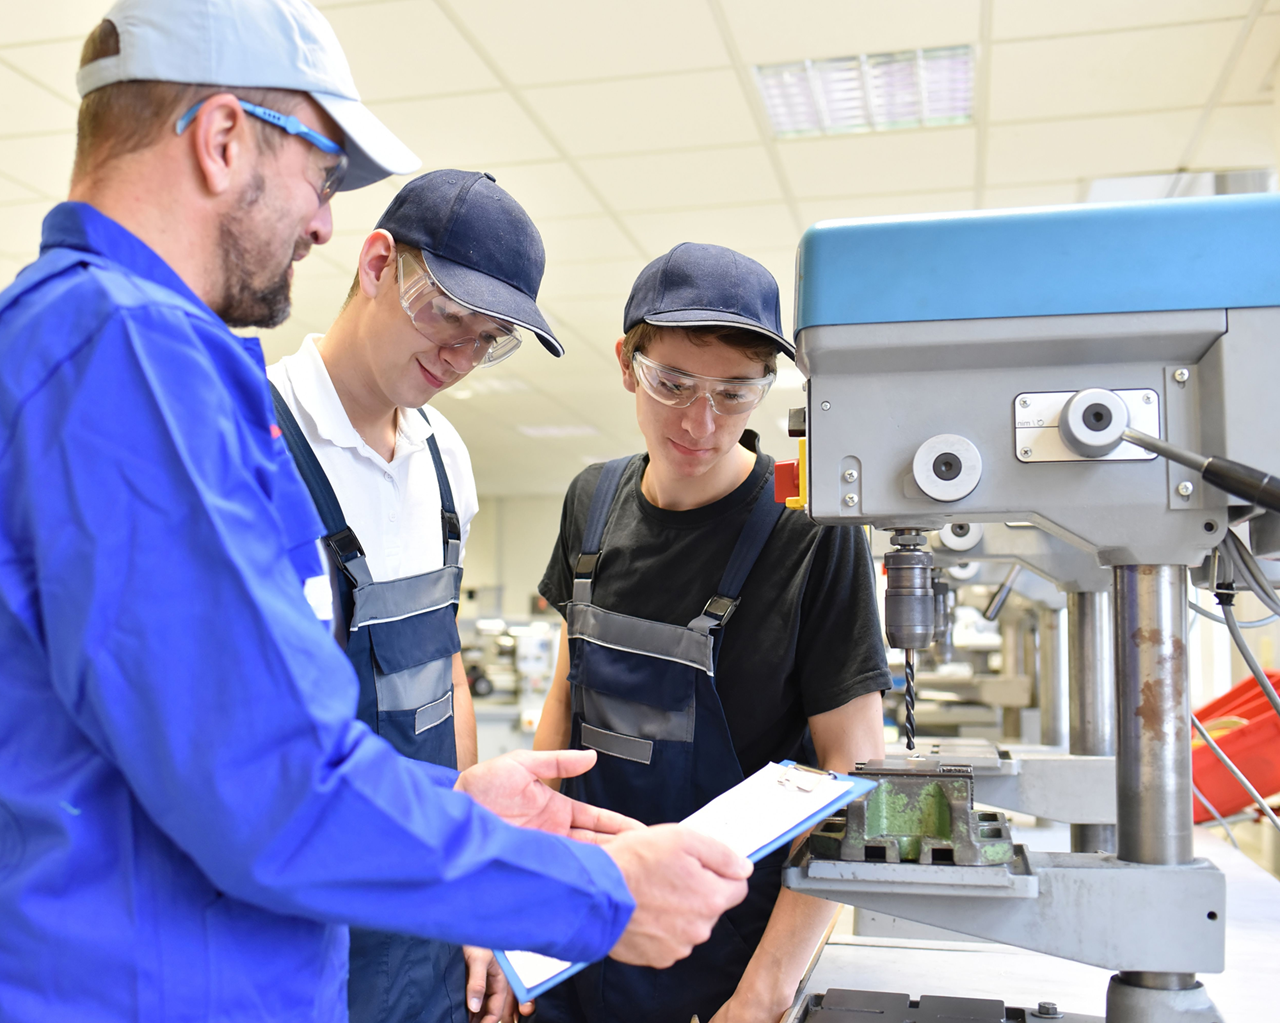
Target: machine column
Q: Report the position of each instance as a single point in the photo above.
(1092, 693)
(1153, 767)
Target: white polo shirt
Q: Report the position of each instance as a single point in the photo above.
(393, 507)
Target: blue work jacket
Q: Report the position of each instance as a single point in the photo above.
(190, 813)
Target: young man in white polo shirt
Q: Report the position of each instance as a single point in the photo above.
(445, 283)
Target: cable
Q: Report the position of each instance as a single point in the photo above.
(1264, 682)
(1257, 623)
(1242, 558)
(1216, 816)
(1235, 771)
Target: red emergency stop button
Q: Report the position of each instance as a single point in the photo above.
(786, 480)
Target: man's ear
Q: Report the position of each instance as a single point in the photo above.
(628, 378)
(377, 257)
(219, 137)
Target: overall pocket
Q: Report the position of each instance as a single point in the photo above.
(413, 675)
(645, 750)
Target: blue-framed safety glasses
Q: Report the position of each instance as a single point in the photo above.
(330, 174)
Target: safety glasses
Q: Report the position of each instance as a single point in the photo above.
(448, 323)
(675, 387)
(329, 172)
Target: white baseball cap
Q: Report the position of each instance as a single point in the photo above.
(250, 44)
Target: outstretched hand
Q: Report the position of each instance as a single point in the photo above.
(511, 787)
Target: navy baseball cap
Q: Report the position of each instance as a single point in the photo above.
(478, 243)
(697, 285)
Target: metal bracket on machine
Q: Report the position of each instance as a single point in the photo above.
(1088, 907)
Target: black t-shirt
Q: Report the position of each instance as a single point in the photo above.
(805, 637)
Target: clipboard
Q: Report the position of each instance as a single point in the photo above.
(757, 816)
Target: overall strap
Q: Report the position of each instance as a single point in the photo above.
(450, 526)
(755, 534)
(597, 517)
(339, 537)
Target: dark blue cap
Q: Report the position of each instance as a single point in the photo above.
(697, 285)
(478, 243)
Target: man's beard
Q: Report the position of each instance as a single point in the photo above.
(248, 260)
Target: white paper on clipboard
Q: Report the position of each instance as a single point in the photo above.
(755, 817)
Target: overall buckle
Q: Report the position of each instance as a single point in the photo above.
(720, 608)
(586, 566)
(345, 545)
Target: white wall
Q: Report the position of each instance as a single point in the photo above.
(509, 546)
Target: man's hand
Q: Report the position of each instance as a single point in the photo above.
(682, 881)
(511, 786)
(489, 996)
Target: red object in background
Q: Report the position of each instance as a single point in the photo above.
(1253, 747)
(786, 480)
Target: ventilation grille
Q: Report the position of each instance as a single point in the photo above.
(869, 92)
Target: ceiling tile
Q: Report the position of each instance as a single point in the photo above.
(880, 162)
(576, 239)
(407, 48)
(767, 226)
(836, 28)
(27, 108)
(639, 115)
(24, 23)
(1116, 73)
(1018, 18)
(597, 322)
(469, 131)
(573, 40)
(54, 64)
(15, 191)
(1087, 148)
(41, 162)
(1239, 137)
(656, 181)
(887, 205)
(550, 189)
(1255, 73)
(608, 278)
(1061, 194)
(358, 210)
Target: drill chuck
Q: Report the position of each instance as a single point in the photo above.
(908, 600)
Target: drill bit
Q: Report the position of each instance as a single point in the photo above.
(909, 697)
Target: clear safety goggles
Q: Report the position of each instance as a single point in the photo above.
(448, 323)
(675, 387)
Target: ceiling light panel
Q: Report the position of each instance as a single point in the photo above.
(869, 92)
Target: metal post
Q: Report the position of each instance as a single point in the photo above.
(1092, 696)
(1054, 717)
(1010, 656)
(1153, 766)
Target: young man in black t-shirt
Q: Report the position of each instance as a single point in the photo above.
(800, 649)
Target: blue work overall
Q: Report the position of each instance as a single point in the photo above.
(401, 636)
(643, 695)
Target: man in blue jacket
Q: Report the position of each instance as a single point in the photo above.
(190, 814)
